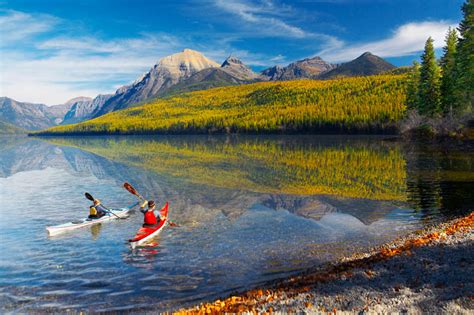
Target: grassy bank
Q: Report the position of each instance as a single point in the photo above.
(364, 104)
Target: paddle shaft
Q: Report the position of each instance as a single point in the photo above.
(89, 196)
(133, 191)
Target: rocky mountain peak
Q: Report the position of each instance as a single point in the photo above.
(305, 68)
(79, 99)
(83, 107)
(235, 67)
(169, 71)
(272, 73)
(30, 116)
(366, 54)
(186, 62)
(365, 64)
(231, 60)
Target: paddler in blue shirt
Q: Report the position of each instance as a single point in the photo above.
(97, 210)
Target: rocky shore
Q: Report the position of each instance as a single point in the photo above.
(429, 271)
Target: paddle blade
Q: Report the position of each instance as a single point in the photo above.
(130, 189)
(173, 224)
(88, 196)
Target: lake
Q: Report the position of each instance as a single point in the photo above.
(251, 209)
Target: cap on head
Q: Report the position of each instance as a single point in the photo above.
(151, 204)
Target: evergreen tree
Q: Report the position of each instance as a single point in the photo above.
(413, 101)
(465, 59)
(448, 69)
(430, 79)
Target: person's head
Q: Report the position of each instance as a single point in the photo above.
(96, 202)
(151, 204)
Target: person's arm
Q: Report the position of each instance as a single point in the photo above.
(142, 206)
(101, 208)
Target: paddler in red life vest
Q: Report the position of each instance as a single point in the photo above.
(151, 219)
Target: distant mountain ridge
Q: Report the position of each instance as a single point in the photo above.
(84, 107)
(232, 72)
(31, 116)
(235, 67)
(185, 71)
(365, 64)
(167, 72)
(309, 68)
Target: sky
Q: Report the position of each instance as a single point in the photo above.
(52, 51)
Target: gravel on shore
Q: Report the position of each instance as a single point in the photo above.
(429, 271)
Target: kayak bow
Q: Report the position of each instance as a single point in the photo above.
(113, 214)
(145, 234)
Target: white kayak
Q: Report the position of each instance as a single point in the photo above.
(119, 212)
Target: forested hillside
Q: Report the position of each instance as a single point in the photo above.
(361, 104)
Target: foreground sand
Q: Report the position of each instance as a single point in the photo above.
(430, 271)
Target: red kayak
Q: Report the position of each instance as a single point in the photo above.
(145, 234)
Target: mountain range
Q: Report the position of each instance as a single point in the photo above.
(309, 68)
(166, 73)
(366, 64)
(185, 71)
(31, 116)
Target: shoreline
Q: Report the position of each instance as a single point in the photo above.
(425, 271)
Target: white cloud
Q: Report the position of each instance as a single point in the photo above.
(51, 68)
(68, 72)
(406, 40)
(263, 18)
(55, 65)
(17, 26)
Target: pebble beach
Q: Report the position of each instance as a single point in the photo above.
(428, 271)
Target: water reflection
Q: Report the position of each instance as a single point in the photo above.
(143, 256)
(289, 165)
(309, 176)
(95, 230)
(360, 173)
(440, 177)
(251, 209)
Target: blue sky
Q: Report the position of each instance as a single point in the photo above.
(51, 51)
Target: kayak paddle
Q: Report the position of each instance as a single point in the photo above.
(89, 196)
(133, 191)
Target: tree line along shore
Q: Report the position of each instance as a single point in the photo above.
(435, 97)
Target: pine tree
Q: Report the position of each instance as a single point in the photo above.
(413, 100)
(448, 69)
(465, 59)
(430, 79)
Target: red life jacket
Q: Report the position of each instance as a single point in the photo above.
(150, 218)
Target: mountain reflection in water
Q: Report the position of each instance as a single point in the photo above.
(251, 209)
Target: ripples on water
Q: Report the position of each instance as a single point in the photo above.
(241, 226)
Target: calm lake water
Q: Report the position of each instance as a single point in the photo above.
(251, 209)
